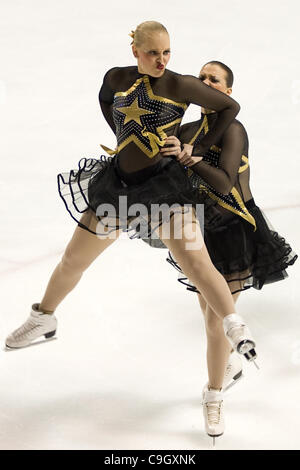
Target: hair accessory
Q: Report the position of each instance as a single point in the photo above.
(132, 36)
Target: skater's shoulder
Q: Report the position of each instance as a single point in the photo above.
(113, 73)
(121, 76)
(237, 128)
(238, 125)
(175, 77)
(235, 136)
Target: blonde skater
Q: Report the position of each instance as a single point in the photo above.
(143, 105)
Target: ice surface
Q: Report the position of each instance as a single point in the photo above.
(127, 369)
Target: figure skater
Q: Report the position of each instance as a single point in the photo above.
(143, 104)
(242, 244)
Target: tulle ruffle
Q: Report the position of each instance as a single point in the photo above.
(98, 182)
(245, 257)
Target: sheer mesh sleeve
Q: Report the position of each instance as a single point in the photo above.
(223, 177)
(106, 97)
(180, 89)
(196, 92)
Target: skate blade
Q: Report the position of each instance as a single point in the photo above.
(35, 343)
(214, 438)
(231, 384)
(251, 356)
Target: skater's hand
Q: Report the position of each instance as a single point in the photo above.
(185, 157)
(172, 146)
(193, 161)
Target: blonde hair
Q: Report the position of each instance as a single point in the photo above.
(145, 29)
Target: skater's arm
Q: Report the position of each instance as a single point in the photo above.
(107, 113)
(223, 177)
(106, 98)
(192, 90)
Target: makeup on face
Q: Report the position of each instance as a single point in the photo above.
(158, 59)
(214, 76)
(154, 55)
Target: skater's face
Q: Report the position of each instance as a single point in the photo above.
(153, 54)
(215, 76)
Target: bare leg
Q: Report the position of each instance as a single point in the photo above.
(218, 347)
(82, 250)
(197, 266)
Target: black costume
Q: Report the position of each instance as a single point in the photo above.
(142, 111)
(242, 244)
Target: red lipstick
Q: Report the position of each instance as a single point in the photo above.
(160, 67)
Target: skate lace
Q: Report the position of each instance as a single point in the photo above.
(28, 327)
(214, 412)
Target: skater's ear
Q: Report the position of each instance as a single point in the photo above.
(134, 51)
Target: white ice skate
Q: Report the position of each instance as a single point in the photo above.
(233, 371)
(213, 412)
(38, 324)
(239, 336)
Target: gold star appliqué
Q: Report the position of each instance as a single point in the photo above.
(133, 112)
(142, 117)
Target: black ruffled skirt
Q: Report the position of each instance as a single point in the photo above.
(245, 257)
(93, 195)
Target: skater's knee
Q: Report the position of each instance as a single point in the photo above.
(72, 261)
(197, 269)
